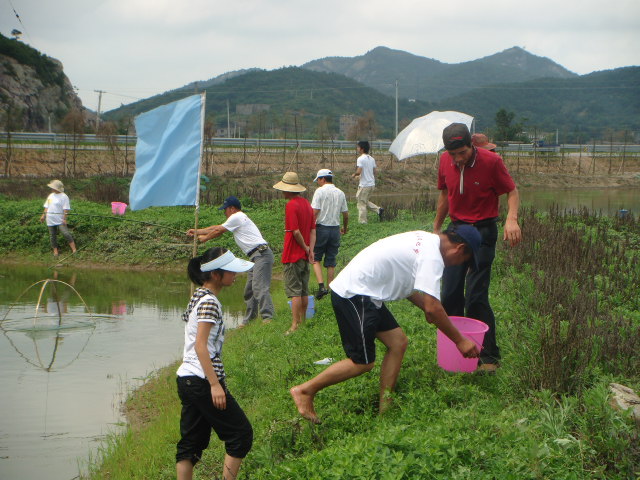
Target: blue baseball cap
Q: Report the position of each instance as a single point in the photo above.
(231, 202)
(470, 236)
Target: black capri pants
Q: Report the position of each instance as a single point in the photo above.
(199, 415)
(53, 234)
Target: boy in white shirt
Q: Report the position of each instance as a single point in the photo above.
(56, 209)
(407, 265)
(366, 170)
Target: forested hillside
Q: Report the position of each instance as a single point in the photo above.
(598, 105)
(298, 99)
(430, 80)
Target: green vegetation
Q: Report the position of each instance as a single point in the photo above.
(568, 325)
(48, 71)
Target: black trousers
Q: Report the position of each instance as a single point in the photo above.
(199, 415)
(473, 301)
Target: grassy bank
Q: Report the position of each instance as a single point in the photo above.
(569, 324)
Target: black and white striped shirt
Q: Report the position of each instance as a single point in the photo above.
(203, 307)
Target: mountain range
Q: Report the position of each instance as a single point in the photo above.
(430, 80)
(542, 94)
(306, 100)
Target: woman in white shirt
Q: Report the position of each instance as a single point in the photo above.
(56, 209)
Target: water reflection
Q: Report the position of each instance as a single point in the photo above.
(70, 360)
(37, 336)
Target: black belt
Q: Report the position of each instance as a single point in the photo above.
(259, 248)
(480, 223)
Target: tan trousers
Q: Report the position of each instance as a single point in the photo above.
(362, 197)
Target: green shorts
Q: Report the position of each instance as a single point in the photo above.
(296, 278)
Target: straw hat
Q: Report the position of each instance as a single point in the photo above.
(56, 185)
(480, 140)
(290, 183)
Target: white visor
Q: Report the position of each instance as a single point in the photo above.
(227, 261)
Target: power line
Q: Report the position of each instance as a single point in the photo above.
(20, 20)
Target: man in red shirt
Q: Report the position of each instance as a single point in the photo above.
(470, 181)
(297, 252)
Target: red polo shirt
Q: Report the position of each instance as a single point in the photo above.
(484, 179)
(298, 215)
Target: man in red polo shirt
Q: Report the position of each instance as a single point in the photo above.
(471, 181)
(297, 251)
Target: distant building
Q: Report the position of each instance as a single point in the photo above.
(223, 132)
(347, 124)
(251, 108)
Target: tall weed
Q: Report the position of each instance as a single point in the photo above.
(584, 271)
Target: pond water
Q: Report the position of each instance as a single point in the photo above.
(65, 371)
(607, 201)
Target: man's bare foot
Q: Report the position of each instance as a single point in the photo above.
(291, 330)
(386, 402)
(304, 403)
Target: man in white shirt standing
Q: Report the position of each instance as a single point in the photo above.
(407, 265)
(257, 291)
(366, 170)
(327, 204)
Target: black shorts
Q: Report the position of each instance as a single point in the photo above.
(359, 320)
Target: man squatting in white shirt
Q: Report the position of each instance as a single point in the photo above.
(407, 265)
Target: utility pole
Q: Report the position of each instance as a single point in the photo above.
(228, 120)
(99, 92)
(396, 107)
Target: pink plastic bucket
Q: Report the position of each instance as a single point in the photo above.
(118, 208)
(449, 357)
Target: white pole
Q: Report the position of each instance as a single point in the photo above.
(99, 92)
(396, 108)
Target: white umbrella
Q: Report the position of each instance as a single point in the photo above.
(424, 134)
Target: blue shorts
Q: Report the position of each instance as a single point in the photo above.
(327, 244)
(359, 320)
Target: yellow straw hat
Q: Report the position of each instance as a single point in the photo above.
(290, 183)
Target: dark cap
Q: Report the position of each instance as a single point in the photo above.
(470, 236)
(455, 136)
(231, 202)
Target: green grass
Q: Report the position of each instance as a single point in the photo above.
(442, 425)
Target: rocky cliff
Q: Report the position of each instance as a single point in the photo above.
(35, 94)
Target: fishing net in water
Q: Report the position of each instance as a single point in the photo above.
(49, 324)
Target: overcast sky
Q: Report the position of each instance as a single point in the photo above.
(134, 49)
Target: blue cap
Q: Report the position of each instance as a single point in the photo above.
(231, 202)
(470, 236)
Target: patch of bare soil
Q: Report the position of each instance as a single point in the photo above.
(260, 168)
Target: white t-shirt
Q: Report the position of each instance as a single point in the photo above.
(56, 204)
(331, 202)
(245, 232)
(203, 307)
(393, 268)
(367, 177)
